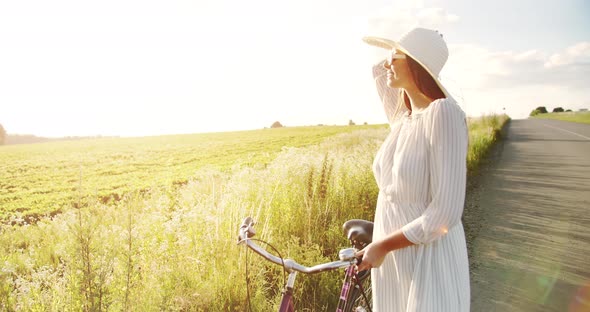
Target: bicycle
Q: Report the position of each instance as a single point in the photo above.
(356, 287)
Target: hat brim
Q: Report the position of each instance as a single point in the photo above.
(390, 44)
(380, 42)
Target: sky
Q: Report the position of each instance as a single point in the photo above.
(142, 68)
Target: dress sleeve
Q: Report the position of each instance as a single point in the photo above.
(388, 95)
(448, 169)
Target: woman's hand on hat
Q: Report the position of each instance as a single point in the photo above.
(379, 69)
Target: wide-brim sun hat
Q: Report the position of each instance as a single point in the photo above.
(425, 46)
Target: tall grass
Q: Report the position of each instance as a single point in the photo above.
(483, 133)
(174, 249)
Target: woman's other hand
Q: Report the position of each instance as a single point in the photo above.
(373, 256)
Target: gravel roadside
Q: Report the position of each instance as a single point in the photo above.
(527, 221)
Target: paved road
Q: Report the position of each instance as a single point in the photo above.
(531, 251)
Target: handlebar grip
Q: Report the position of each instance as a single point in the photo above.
(247, 221)
(246, 229)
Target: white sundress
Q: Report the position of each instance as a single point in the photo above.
(421, 173)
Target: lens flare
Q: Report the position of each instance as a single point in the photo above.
(581, 300)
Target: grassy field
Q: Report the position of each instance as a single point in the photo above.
(44, 179)
(581, 117)
(174, 248)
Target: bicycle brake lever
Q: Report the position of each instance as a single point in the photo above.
(247, 229)
(250, 230)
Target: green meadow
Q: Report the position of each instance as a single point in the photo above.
(44, 179)
(150, 224)
(580, 117)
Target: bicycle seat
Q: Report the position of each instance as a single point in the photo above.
(359, 230)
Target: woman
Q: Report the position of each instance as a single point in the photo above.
(418, 256)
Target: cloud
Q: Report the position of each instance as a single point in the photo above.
(576, 54)
(480, 68)
(486, 81)
(435, 17)
(394, 21)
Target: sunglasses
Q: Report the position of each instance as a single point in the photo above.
(394, 56)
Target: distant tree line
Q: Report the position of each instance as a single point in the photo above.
(2, 135)
(24, 139)
(543, 110)
(277, 124)
(30, 139)
(9, 139)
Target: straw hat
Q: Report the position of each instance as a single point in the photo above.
(425, 46)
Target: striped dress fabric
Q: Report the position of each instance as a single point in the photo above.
(421, 173)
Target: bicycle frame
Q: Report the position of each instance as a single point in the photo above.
(347, 261)
(287, 298)
(350, 273)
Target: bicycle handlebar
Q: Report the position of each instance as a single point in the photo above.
(246, 232)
